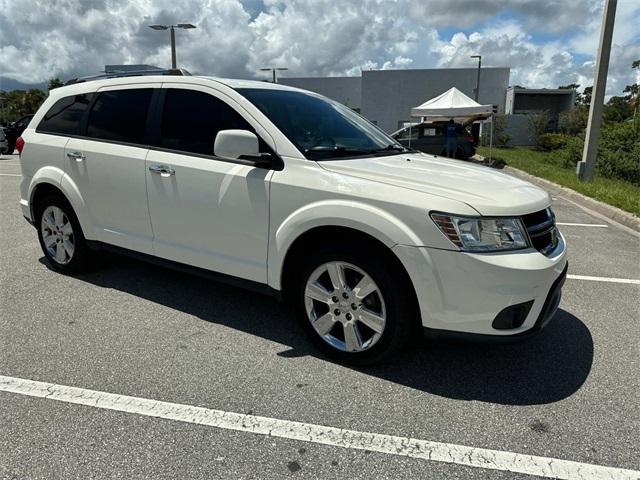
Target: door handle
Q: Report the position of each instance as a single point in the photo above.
(77, 156)
(162, 170)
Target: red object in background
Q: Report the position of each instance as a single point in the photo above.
(20, 145)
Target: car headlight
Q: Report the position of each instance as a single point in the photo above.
(479, 234)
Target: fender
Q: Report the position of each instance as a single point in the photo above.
(56, 177)
(50, 175)
(368, 219)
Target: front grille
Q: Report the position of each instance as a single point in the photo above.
(541, 227)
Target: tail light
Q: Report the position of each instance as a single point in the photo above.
(20, 145)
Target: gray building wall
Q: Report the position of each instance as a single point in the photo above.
(389, 95)
(518, 129)
(522, 102)
(554, 101)
(346, 90)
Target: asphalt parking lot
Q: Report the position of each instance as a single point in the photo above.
(128, 328)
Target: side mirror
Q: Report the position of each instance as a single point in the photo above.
(240, 145)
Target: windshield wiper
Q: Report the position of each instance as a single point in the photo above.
(391, 146)
(394, 147)
(337, 150)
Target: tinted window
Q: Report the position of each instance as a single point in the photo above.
(191, 120)
(66, 115)
(319, 127)
(120, 115)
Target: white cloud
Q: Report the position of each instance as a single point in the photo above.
(546, 43)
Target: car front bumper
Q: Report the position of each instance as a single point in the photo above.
(463, 293)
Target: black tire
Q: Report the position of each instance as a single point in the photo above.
(79, 261)
(393, 283)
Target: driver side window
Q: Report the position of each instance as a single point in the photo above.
(191, 120)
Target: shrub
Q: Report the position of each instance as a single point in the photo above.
(500, 136)
(574, 121)
(618, 153)
(538, 125)
(552, 141)
(569, 155)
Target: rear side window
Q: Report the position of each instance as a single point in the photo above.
(66, 115)
(120, 115)
(191, 120)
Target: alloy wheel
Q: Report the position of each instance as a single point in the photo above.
(57, 235)
(345, 306)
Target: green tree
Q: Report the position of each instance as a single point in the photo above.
(574, 121)
(54, 83)
(585, 98)
(617, 109)
(17, 103)
(574, 87)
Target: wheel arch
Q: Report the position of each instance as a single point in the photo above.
(317, 236)
(57, 182)
(367, 219)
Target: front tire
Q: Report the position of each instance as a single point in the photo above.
(60, 235)
(355, 305)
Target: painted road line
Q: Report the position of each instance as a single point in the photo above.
(10, 175)
(307, 432)
(605, 279)
(582, 225)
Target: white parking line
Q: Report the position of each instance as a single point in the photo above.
(605, 279)
(582, 225)
(307, 432)
(9, 175)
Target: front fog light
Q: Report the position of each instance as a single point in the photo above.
(479, 234)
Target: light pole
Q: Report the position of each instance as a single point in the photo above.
(586, 168)
(184, 26)
(273, 71)
(479, 57)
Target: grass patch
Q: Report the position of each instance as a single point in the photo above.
(618, 193)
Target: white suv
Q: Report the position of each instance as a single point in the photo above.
(285, 191)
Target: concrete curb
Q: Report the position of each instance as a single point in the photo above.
(607, 211)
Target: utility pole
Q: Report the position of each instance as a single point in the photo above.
(586, 168)
(273, 71)
(479, 57)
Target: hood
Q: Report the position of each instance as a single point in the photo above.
(487, 190)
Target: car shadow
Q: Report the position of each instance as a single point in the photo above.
(546, 368)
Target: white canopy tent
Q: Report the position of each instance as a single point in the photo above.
(456, 105)
(452, 104)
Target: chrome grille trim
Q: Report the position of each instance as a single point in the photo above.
(542, 230)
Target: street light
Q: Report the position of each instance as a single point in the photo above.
(479, 57)
(273, 70)
(185, 26)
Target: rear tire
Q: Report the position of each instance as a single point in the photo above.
(371, 318)
(60, 235)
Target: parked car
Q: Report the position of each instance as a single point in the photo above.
(287, 192)
(14, 130)
(4, 144)
(428, 137)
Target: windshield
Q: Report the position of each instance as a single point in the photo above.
(321, 128)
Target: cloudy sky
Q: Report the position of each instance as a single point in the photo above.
(545, 42)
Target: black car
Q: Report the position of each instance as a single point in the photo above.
(428, 137)
(14, 130)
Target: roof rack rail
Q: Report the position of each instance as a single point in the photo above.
(134, 73)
